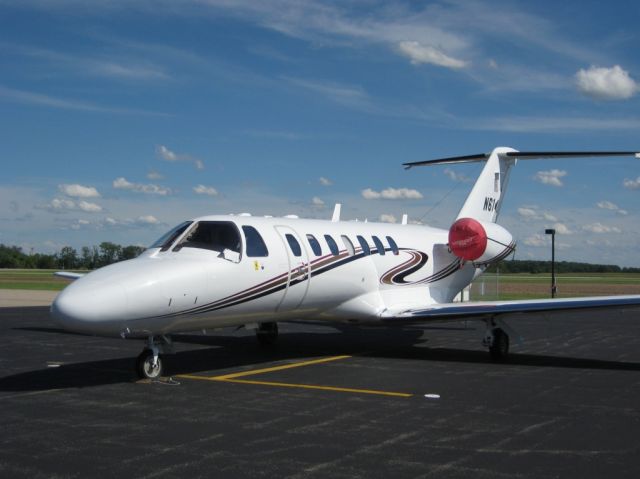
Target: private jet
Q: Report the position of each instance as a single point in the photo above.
(248, 271)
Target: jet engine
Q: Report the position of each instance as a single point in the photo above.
(479, 241)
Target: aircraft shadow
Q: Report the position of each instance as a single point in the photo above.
(225, 352)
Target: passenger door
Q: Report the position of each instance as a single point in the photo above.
(298, 269)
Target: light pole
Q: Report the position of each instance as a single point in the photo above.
(552, 232)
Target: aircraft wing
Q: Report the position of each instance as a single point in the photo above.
(68, 275)
(488, 309)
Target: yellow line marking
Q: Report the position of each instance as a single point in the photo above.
(280, 368)
(299, 386)
(232, 378)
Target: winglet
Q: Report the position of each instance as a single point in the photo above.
(336, 213)
(68, 275)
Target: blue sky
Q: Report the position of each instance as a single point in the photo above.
(122, 118)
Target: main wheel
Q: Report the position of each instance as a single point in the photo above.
(145, 367)
(267, 333)
(499, 350)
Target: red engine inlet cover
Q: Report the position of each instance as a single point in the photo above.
(467, 239)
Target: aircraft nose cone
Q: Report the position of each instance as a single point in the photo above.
(85, 309)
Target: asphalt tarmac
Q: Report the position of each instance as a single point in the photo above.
(325, 402)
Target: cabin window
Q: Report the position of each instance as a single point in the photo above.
(220, 236)
(255, 244)
(349, 245)
(315, 245)
(393, 244)
(364, 245)
(333, 247)
(167, 239)
(294, 245)
(379, 245)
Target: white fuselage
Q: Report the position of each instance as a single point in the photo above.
(191, 283)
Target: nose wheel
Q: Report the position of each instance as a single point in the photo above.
(149, 364)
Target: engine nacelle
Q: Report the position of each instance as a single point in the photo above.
(479, 241)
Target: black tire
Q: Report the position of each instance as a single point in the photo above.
(499, 350)
(144, 365)
(267, 334)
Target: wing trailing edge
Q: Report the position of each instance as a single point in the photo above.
(488, 309)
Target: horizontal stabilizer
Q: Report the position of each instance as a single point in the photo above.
(522, 155)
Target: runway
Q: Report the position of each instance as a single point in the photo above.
(347, 403)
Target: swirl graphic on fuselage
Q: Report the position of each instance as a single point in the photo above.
(398, 274)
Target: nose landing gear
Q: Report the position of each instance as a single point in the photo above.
(149, 364)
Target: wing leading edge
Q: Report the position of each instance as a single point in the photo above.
(489, 309)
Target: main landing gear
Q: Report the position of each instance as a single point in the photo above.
(149, 364)
(267, 333)
(496, 339)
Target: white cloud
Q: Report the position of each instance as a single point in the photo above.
(79, 191)
(166, 154)
(388, 218)
(418, 53)
(122, 184)
(562, 229)
(632, 184)
(205, 190)
(154, 175)
(352, 96)
(453, 176)
(89, 207)
(600, 228)
(606, 83)
(536, 240)
(60, 205)
(529, 212)
(550, 124)
(131, 72)
(608, 205)
(147, 220)
(317, 202)
(392, 194)
(325, 181)
(551, 177)
(31, 98)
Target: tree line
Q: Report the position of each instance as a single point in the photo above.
(89, 257)
(106, 253)
(535, 267)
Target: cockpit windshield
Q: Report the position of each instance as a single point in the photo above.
(167, 239)
(220, 236)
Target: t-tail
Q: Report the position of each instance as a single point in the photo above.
(475, 236)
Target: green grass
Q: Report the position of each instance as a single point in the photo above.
(511, 286)
(31, 279)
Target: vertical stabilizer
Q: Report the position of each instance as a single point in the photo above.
(485, 199)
